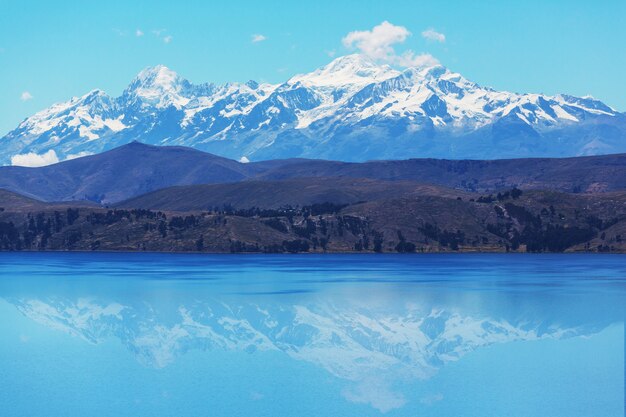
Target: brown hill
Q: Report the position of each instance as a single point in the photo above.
(274, 194)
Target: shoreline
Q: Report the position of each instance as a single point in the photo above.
(328, 253)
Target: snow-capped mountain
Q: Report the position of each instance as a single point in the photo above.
(351, 109)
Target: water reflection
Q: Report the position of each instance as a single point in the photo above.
(383, 332)
(371, 347)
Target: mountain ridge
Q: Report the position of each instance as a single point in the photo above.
(352, 109)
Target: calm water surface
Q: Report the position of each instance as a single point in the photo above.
(346, 335)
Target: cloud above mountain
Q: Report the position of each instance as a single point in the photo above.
(33, 159)
(378, 44)
(432, 35)
(256, 38)
(160, 34)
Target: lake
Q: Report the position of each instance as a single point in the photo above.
(98, 334)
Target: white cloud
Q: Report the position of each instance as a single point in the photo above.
(25, 96)
(33, 159)
(331, 53)
(159, 34)
(244, 160)
(258, 38)
(432, 35)
(139, 33)
(78, 155)
(410, 59)
(379, 42)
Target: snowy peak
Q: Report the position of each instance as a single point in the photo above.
(158, 78)
(97, 101)
(353, 69)
(158, 86)
(588, 103)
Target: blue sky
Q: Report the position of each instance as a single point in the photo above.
(50, 51)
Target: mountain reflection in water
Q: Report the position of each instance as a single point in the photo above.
(374, 333)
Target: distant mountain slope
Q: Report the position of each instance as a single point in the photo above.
(351, 109)
(135, 169)
(121, 173)
(276, 194)
(580, 174)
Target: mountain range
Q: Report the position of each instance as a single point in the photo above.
(205, 180)
(352, 109)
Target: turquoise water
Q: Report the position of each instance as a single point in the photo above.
(345, 335)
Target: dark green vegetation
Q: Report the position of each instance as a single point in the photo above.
(140, 197)
(426, 221)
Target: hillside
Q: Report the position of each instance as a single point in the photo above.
(13, 202)
(580, 174)
(121, 173)
(531, 221)
(294, 192)
(135, 169)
